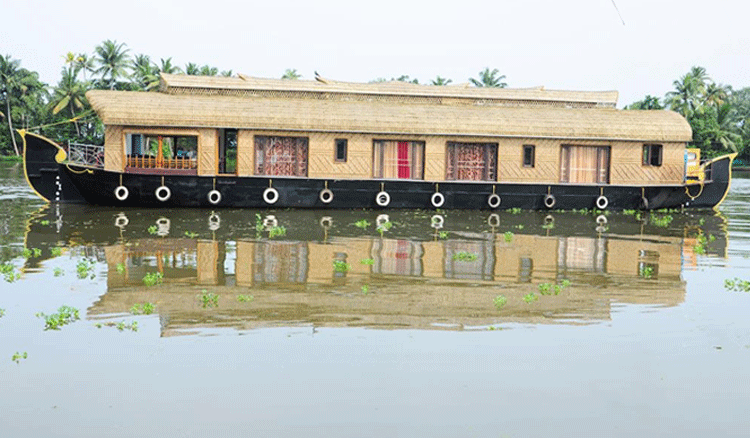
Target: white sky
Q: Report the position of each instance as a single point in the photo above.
(561, 44)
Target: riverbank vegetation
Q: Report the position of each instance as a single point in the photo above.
(717, 113)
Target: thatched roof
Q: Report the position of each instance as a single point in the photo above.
(150, 109)
(396, 91)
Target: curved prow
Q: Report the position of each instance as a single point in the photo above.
(42, 160)
(718, 172)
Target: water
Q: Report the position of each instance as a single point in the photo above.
(347, 332)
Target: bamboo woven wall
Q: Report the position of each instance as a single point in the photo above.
(114, 149)
(208, 152)
(627, 166)
(245, 153)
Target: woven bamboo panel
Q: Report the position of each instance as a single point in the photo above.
(304, 115)
(207, 152)
(627, 166)
(393, 91)
(245, 153)
(114, 149)
(546, 161)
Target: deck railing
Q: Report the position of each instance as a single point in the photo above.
(86, 155)
(149, 162)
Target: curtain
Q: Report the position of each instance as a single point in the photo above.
(472, 161)
(281, 156)
(585, 164)
(398, 159)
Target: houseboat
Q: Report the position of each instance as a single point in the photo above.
(262, 143)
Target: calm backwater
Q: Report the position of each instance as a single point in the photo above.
(372, 323)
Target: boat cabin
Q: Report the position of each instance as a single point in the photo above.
(245, 127)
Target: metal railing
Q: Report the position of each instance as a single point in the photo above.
(86, 155)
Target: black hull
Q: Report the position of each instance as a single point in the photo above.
(67, 183)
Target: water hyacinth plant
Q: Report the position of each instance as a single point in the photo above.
(65, 315)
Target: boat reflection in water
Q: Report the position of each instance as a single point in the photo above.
(424, 272)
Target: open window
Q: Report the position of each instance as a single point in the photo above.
(652, 154)
(153, 153)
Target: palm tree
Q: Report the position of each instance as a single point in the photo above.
(725, 131)
(717, 94)
(167, 67)
(113, 61)
(489, 78)
(689, 93)
(145, 73)
(192, 69)
(440, 81)
(226, 73)
(291, 73)
(69, 94)
(648, 103)
(16, 85)
(209, 71)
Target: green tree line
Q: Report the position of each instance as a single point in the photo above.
(718, 114)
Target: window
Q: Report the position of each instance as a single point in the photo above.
(528, 155)
(281, 156)
(584, 164)
(652, 154)
(398, 159)
(341, 146)
(161, 151)
(472, 161)
(228, 151)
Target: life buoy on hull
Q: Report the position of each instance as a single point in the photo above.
(602, 202)
(549, 201)
(270, 195)
(383, 198)
(163, 193)
(121, 193)
(494, 200)
(214, 197)
(437, 200)
(326, 196)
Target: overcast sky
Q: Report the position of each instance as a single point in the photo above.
(561, 44)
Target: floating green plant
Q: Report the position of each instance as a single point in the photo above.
(245, 298)
(365, 289)
(508, 236)
(443, 234)
(121, 326)
(530, 297)
(515, 210)
(737, 285)
(208, 299)
(276, 231)
(341, 266)
(153, 230)
(500, 301)
(18, 357)
(464, 256)
(553, 289)
(120, 268)
(367, 261)
(153, 278)
(142, 309)
(700, 246)
(362, 223)
(646, 271)
(9, 272)
(28, 253)
(57, 272)
(385, 226)
(85, 268)
(191, 234)
(65, 315)
(2, 313)
(44, 222)
(55, 251)
(660, 221)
